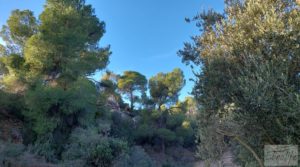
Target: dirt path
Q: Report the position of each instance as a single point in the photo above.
(226, 161)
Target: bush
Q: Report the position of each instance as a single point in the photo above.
(122, 127)
(175, 120)
(92, 148)
(144, 133)
(9, 150)
(46, 147)
(16, 155)
(11, 104)
(185, 135)
(166, 134)
(52, 107)
(137, 157)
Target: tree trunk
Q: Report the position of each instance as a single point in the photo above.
(163, 147)
(131, 101)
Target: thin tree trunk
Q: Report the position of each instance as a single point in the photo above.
(161, 124)
(131, 101)
(251, 150)
(163, 147)
(243, 143)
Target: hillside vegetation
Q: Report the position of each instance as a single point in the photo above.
(54, 113)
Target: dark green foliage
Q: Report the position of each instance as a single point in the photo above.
(133, 85)
(11, 104)
(88, 147)
(45, 69)
(14, 61)
(122, 127)
(186, 136)
(136, 157)
(12, 155)
(178, 127)
(67, 119)
(9, 150)
(165, 87)
(67, 42)
(144, 133)
(47, 147)
(21, 25)
(50, 107)
(165, 134)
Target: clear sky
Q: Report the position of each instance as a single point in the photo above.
(144, 34)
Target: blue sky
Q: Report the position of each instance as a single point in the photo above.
(144, 34)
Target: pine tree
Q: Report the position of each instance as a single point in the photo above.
(48, 62)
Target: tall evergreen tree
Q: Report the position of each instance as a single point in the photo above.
(164, 90)
(130, 83)
(165, 87)
(48, 61)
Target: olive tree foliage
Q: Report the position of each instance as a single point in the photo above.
(249, 82)
(48, 61)
(132, 83)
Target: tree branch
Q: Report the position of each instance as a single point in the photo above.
(243, 143)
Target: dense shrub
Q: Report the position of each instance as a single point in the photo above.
(17, 155)
(136, 157)
(122, 127)
(185, 136)
(166, 134)
(11, 104)
(46, 147)
(88, 147)
(144, 133)
(171, 127)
